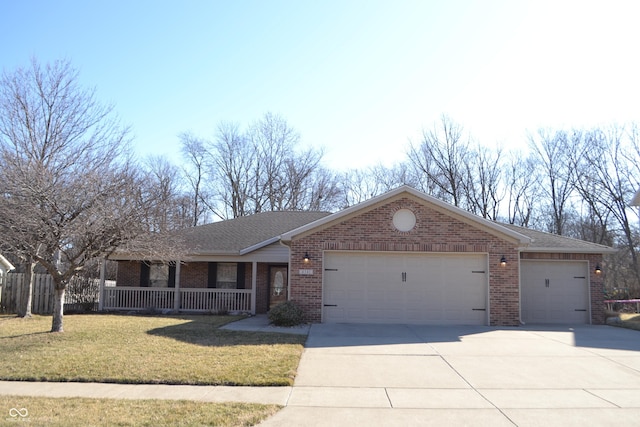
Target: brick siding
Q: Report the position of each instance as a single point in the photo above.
(435, 231)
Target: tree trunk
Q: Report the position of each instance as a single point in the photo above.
(58, 306)
(27, 290)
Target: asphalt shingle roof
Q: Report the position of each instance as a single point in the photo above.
(541, 241)
(234, 235)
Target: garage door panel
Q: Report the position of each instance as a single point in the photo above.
(431, 285)
(554, 292)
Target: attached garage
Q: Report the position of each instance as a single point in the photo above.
(418, 288)
(406, 257)
(555, 292)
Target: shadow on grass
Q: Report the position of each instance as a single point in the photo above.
(28, 335)
(205, 334)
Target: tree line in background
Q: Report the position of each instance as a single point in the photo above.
(573, 182)
(71, 192)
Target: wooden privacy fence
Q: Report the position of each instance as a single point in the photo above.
(80, 295)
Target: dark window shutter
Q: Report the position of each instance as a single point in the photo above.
(212, 276)
(240, 276)
(172, 276)
(144, 275)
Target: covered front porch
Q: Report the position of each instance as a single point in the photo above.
(215, 287)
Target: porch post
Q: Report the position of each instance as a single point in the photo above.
(176, 291)
(254, 281)
(103, 269)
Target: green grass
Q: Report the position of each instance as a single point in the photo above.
(71, 412)
(146, 349)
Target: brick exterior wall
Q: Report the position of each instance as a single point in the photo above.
(194, 275)
(435, 231)
(596, 282)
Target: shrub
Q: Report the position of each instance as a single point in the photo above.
(286, 314)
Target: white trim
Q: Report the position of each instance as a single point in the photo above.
(254, 283)
(5, 264)
(259, 245)
(601, 250)
(176, 285)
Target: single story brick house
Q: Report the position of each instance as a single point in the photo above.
(401, 257)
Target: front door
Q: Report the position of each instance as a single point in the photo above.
(277, 285)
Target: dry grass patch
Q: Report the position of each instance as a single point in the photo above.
(630, 320)
(146, 349)
(71, 412)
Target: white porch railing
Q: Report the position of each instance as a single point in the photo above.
(215, 300)
(190, 299)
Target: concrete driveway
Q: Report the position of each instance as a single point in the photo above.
(379, 375)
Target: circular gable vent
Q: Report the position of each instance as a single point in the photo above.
(404, 220)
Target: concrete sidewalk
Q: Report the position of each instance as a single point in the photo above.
(267, 395)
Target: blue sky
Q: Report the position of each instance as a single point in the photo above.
(359, 78)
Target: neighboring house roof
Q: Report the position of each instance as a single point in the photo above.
(245, 234)
(547, 242)
(5, 264)
(487, 225)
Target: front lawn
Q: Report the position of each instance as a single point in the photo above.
(81, 412)
(146, 349)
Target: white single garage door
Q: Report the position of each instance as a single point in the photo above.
(554, 292)
(418, 288)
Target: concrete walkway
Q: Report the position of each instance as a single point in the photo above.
(375, 375)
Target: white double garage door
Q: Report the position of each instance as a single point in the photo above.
(439, 289)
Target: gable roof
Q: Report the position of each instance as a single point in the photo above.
(485, 224)
(241, 235)
(548, 242)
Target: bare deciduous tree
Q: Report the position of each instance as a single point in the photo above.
(442, 156)
(67, 183)
(608, 168)
(522, 189)
(483, 183)
(195, 152)
(263, 169)
(553, 154)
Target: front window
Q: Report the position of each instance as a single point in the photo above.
(227, 275)
(159, 276)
